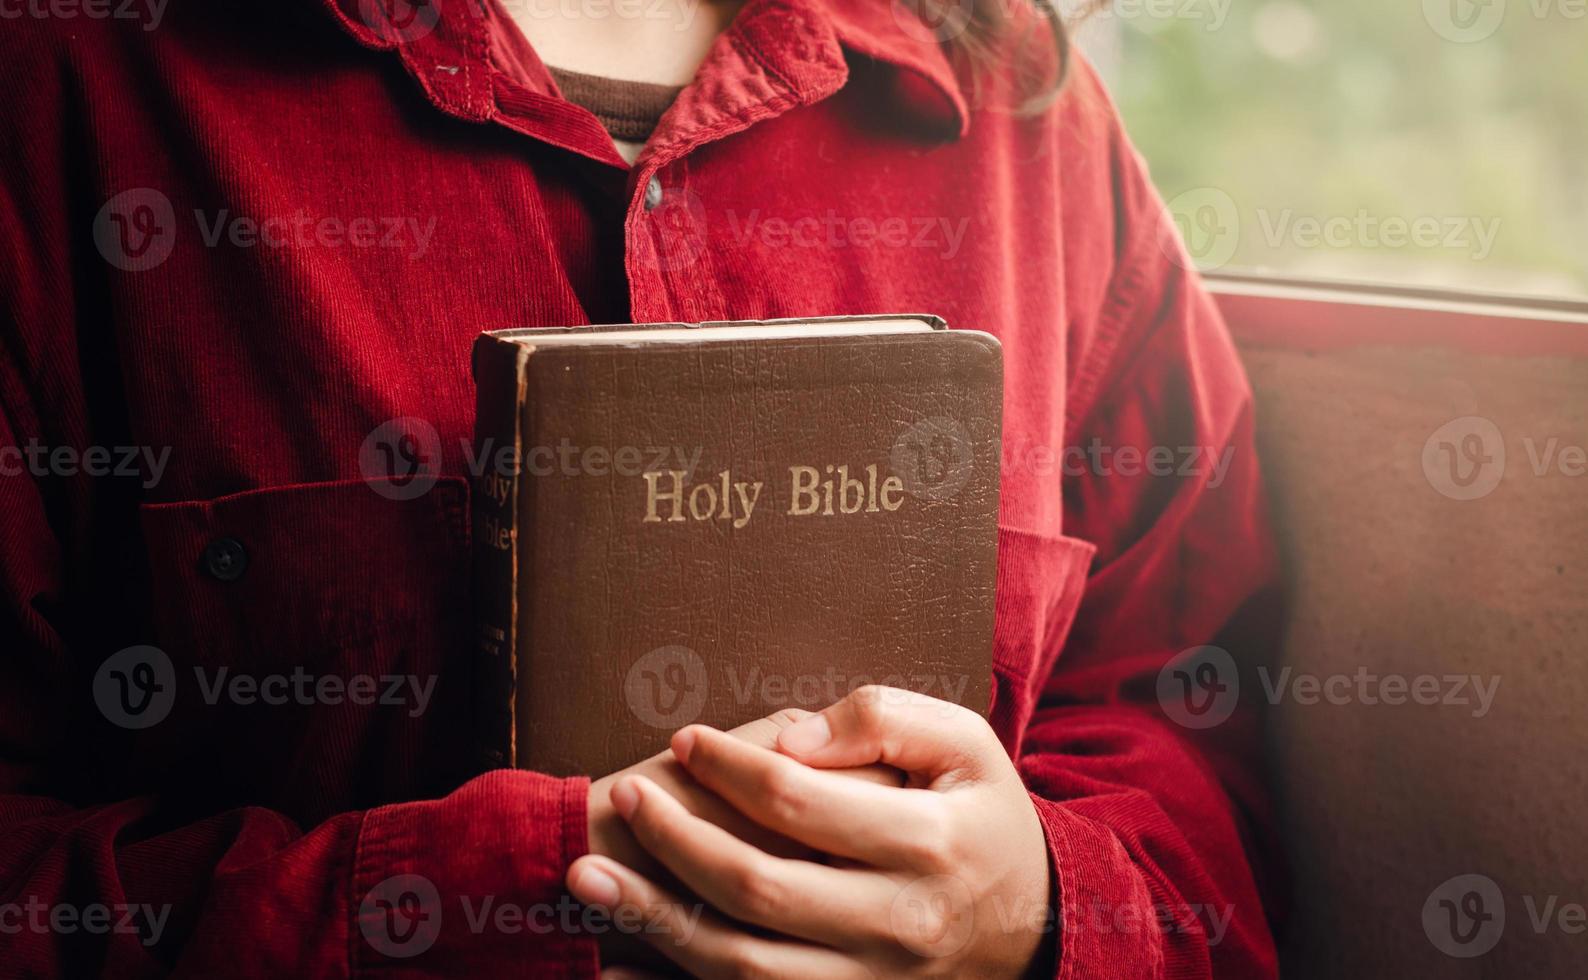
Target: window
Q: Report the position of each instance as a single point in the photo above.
(1437, 143)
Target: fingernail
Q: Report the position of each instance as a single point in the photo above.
(596, 887)
(625, 797)
(683, 744)
(806, 736)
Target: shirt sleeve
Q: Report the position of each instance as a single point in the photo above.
(1155, 817)
(163, 884)
(148, 886)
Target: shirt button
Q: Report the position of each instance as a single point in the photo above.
(225, 559)
(653, 193)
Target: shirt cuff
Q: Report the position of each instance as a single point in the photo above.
(473, 883)
(1104, 919)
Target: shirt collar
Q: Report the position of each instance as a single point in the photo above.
(447, 54)
(891, 32)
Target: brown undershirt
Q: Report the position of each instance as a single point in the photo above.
(628, 110)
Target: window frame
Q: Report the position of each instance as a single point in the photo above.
(1328, 314)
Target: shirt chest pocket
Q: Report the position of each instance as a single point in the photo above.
(318, 639)
(1041, 579)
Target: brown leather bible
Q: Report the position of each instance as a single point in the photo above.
(677, 523)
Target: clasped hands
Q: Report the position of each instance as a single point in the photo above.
(888, 835)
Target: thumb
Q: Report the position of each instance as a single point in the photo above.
(919, 734)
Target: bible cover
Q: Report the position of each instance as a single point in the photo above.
(742, 518)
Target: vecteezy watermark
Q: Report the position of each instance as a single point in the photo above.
(1097, 458)
(933, 458)
(934, 916)
(1465, 916)
(143, 463)
(677, 221)
(401, 459)
(568, 458)
(1210, 226)
(813, 691)
(933, 21)
(682, 13)
(1201, 687)
(1362, 686)
(399, 21)
(146, 922)
(1211, 922)
(1150, 15)
(1469, 21)
(668, 687)
(150, 12)
(832, 231)
(1465, 459)
(302, 230)
(1469, 234)
(1464, 21)
(301, 688)
(402, 916)
(136, 688)
(137, 230)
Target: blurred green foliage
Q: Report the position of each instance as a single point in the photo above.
(1326, 134)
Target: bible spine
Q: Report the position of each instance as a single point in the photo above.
(499, 380)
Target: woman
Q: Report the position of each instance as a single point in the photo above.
(245, 240)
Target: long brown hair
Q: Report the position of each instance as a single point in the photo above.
(976, 31)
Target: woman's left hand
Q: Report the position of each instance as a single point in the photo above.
(946, 876)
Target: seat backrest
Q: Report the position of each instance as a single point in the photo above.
(1412, 827)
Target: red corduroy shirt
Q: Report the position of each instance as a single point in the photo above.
(240, 238)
